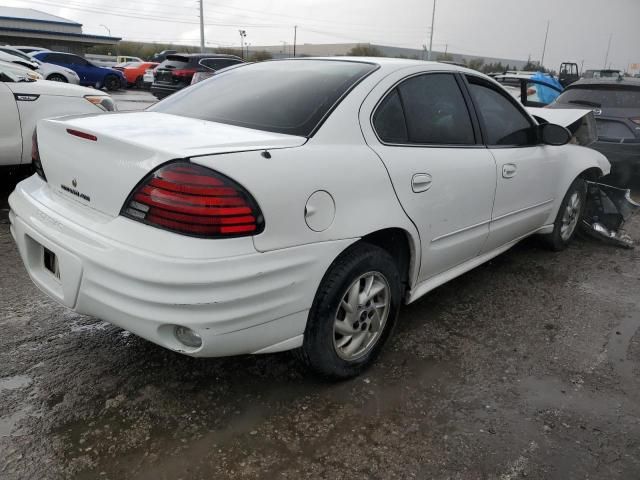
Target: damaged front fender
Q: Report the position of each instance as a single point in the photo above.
(607, 210)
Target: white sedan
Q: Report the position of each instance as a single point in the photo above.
(292, 204)
(24, 101)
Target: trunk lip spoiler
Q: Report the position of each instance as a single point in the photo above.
(80, 134)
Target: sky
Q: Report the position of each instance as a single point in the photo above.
(515, 29)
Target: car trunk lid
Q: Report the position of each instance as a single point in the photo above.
(98, 160)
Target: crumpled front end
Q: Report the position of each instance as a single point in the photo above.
(608, 209)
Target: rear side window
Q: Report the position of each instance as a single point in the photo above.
(504, 123)
(218, 63)
(602, 96)
(428, 109)
(283, 96)
(389, 121)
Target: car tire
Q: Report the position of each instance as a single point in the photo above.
(342, 304)
(112, 82)
(569, 216)
(56, 77)
(139, 83)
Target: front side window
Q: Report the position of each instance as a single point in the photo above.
(284, 96)
(504, 123)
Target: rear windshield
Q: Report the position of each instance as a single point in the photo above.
(285, 96)
(602, 96)
(175, 61)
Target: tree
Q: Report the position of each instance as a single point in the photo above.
(365, 51)
(476, 63)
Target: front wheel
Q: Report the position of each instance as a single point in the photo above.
(56, 77)
(112, 83)
(353, 313)
(569, 216)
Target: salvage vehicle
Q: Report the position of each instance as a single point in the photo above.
(177, 71)
(293, 204)
(616, 105)
(24, 101)
(134, 72)
(90, 75)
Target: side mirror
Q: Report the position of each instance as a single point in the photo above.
(554, 135)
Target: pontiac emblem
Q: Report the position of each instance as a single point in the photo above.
(74, 182)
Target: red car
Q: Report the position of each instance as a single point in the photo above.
(134, 71)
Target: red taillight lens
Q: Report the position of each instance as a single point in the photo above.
(35, 156)
(194, 200)
(183, 73)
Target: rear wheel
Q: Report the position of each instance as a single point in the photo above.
(112, 83)
(353, 313)
(56, 77)
(139, 83)
(569, 216)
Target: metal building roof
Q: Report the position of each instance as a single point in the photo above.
(29, 14)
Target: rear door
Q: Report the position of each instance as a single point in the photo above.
(10, 131)
(444, 177)
(525, 170)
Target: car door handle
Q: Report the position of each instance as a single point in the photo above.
(421, 182)
(509, 170)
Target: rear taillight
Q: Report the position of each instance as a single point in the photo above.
(35, 156)
(183, 73)
(193, 200)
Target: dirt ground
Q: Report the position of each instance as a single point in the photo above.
(525, 367)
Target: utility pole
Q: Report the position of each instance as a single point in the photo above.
(433, 21)
(581, 67)
(544, 49)
(295, 38)
(606, 58)
(243, 34)
(201, 27)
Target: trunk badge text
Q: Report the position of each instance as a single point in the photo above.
(75, 192)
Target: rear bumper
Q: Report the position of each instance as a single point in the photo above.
(249, 303)
(160, 91)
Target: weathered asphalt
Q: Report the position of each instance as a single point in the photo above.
(526, 366)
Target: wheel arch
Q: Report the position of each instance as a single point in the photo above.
(580, 162)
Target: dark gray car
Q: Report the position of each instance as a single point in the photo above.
(616, 105)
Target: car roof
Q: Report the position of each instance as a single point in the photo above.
(606, 81)
(202, 55)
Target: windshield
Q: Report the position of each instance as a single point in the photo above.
(285, 96)
(602, 96)
(8, 76)
(16, 53)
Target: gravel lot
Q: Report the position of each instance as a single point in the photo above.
(525, 367)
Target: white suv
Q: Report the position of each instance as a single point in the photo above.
(24, 101)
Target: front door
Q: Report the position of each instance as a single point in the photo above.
(524, 168)
(444, 177)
